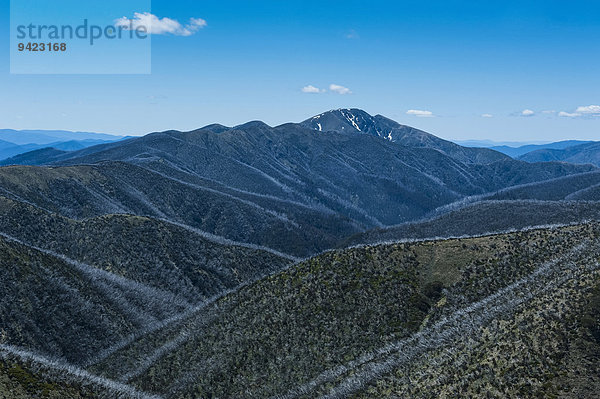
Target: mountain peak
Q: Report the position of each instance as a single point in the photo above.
(352, 120)
(344, 120)
(252, 125)
(356, 120)
(216, 127)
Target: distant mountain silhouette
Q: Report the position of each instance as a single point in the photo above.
(516, 152)
(580, 154)
(52, 136)
(16, 142)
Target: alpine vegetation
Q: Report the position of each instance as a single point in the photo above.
(344, 256)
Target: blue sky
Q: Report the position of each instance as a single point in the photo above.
(457, 60)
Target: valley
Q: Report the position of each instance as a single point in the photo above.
(343, 256)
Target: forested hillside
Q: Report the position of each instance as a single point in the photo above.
(344, 256)
(344, 322)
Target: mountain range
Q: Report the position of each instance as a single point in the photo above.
(588, 153)
(16, 142)
(516, 152)
(291, 187)
(21, 137)
(572, 151)
(335, 257)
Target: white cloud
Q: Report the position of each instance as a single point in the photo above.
(549, 112)
(582, 112)
(569, 115)
(339, 89)
(352, 35)
(589, 110)
(527, 112)
(420, 113)
(312, 89)
(487, 116)
(160, 26)
(198, 23)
